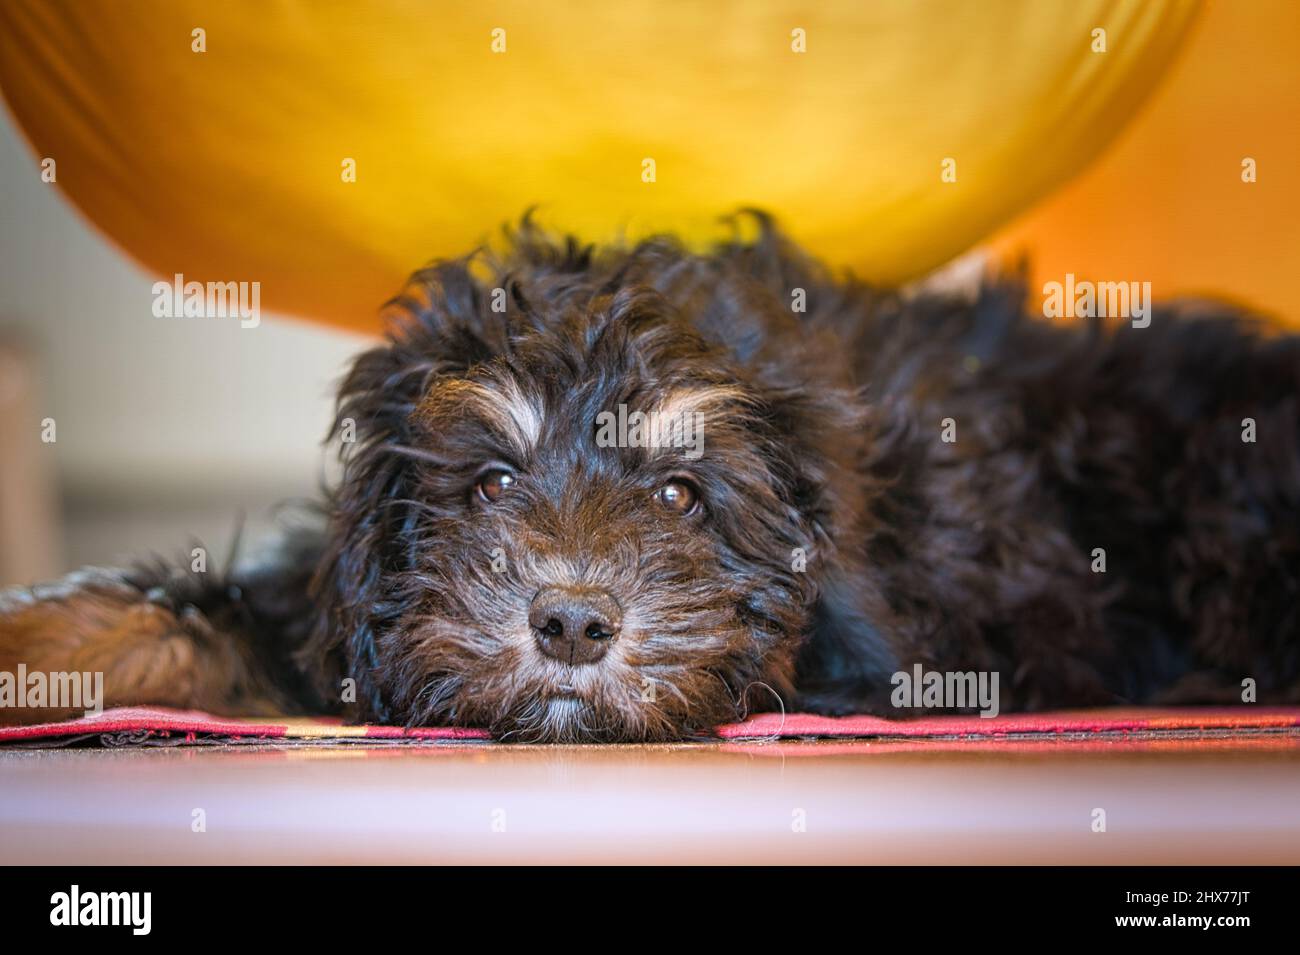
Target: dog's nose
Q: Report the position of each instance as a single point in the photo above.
(574, 625)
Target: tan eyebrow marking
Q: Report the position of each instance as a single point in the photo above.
(502, 404)
(685, 413)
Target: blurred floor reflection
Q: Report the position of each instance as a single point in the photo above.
(1225, 801)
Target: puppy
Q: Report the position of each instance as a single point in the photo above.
(633, 493)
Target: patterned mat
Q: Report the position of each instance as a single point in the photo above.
(145, 725)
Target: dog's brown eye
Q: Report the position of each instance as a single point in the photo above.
(493, 484)
(678, 496)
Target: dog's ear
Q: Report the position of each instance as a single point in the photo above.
(819, 457)
(441, 326)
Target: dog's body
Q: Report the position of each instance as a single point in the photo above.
(882, 482)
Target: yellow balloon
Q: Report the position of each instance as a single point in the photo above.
(327, 149)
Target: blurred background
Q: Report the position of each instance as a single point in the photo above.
(1107, 138)
(166, 431)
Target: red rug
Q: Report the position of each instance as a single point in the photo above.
(145, 725)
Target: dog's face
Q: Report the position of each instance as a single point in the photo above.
(582, 521)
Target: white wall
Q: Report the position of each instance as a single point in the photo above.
(165, 428)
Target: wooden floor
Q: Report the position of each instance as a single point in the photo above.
(1214, 802)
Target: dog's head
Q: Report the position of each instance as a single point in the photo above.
(584, 497)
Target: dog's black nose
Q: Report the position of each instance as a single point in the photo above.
(574, 625)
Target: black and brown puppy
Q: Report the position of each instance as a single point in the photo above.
(828, 484)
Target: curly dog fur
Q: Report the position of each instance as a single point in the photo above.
(885, 481)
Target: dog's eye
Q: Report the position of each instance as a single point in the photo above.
(678, 496)
(493, 484)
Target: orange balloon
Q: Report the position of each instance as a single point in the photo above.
(1202, 194)
(325, 150)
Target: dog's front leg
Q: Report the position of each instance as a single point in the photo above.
(157, 636)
